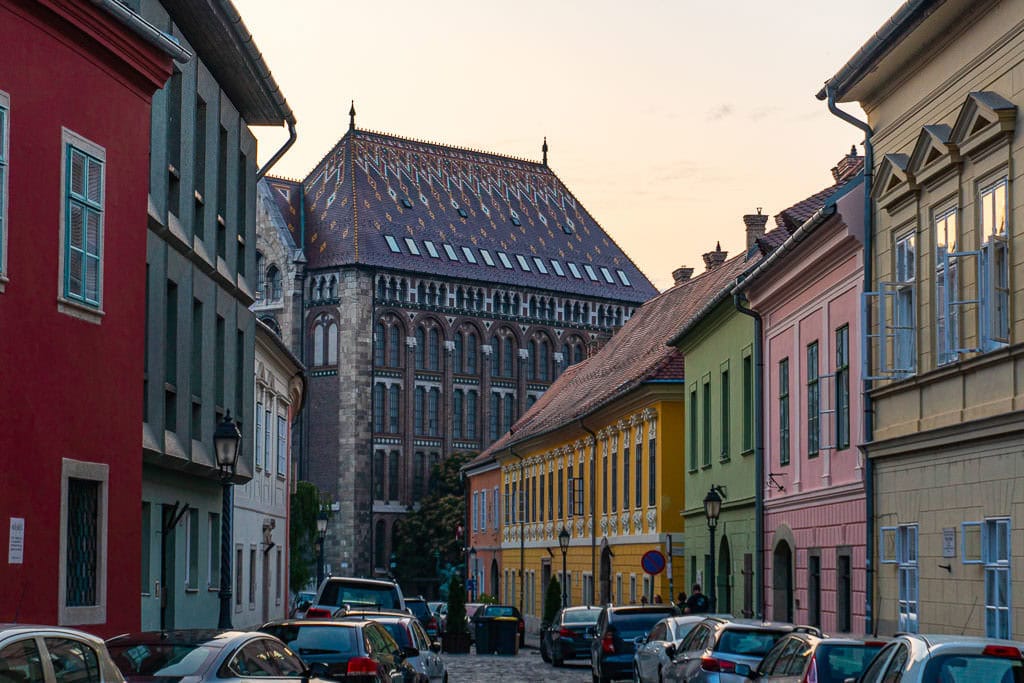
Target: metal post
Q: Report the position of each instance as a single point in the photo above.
(565, 598)
(711, 581)
(319, 561)
(226, 543)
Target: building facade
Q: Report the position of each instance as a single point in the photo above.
(945, 319)
(808, 294)
(72, 188)
(444, 291)
(200, 333)
(483, 477)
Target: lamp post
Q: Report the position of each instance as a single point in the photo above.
(712, 508)
(321, 534)
(472, 575)
(563, 544)
(226, 442)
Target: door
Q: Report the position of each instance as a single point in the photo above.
(723, 591)
(606, 575)
(266, 585)
(782, 582)
(170, 514)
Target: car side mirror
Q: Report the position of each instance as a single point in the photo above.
(435, 647)
(304, 605)
(408, 652)
(640, 640)
(670, 650)
(318, 670)
(744, 670)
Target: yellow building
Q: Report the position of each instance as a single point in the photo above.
(601, 456)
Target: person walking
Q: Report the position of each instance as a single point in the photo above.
(697, 603)
(681, 601)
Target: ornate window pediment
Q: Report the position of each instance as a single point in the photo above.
(985, 119)
(894, 183)
(933, 154)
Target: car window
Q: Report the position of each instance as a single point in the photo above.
(748, 643)
(630, 625)
(769, 663)
(252, 661)
(836, 663)
(339, 593)
(582, 616)
(328, 643)
(20, 661)
(169, 659)
(785, 656)
(974, 669)
(399, 633)
(798, 659)
(419, 636)
(380, 640)
(73, 661)
(695, 639)
(877, 666)
(658, 632)
(894, 671)
(284, 660)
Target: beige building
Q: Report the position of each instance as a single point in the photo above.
(941, 83)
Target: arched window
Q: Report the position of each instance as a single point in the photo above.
(435, 350)
(381, 288)
(394, 407)
(403, 290)
(378, 544)
(419, 408)
(566, 356)
(442, 296)
(378, 475)
(380, 337)
(421, 293)
(533, 307)
(421, 343)
(460, 298)
(510, 413)
(495, 417)
(472, 414)
(318, 345)
(334, 287)
(332, 343)
(457, 354)
(508, 358)
(471, 351)
(551, 309)
(378, 407)
(495, 357)
(530, 374)
(496, 303)
(393, 475)
(274, 283)
(618, 317)
(394, 346)
(432, 295)
(577, 353)
(457, 414)
(270, 322)
(544, 361)
(434, 411)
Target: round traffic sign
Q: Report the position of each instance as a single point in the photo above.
(653, 562)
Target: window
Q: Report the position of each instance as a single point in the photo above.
(652, 471)
(5, 108)
(623, 279)
(393, 468)
(813, 401)
(590, 272)
(457, 414)
(607, 276)
(705, 435)
(81, 223)
(626, 481)
(433, 407)
(615, 477)
(282, 446)
(638, 456)
(238, 577)
(842, 381)
(147, 537)
(252, 577)
(83, 551)
(748, 403)
(947, 289)
(192, 549)
(996, 555)
(470, 256)
(784, 411)
(693, 429)
(995, 257)
(487, 257)
(725, 427)
(905, 351)
(471, 414)
(213, 552)
(392, 244)
(495, 417)
(410, 243)
(557, 266)
(73, 661)
(541, 268)
(419, 408)
(394, 346)
(522, 263)
(394, 403)
(496, 522)
(574, 270)
(504, 261)
(259, 435)
(378, 475)
(844, 589)
(899, 544)
(452, 256)
(604, 478)
(273, 280)
(431, 249)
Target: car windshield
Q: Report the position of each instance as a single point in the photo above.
(420, 609)
(630, 626)
(338, 594)
(328, 643)
(398, 632)
(836, 663)
(974, 669)
(747, 643)
(165, 660)
(498, 611)
(581, 617)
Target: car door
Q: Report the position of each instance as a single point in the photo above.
(647, 654)
(20, 660)
(435, 665)
(74, 661)
(687, 661)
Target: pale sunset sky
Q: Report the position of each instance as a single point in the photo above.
(668, 119)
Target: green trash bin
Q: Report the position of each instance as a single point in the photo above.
(484, 634)
(506, 635)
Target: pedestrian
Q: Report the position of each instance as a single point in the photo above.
(697, 603)
(643, 599)
(681, 601)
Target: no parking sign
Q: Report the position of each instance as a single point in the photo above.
(653, 562)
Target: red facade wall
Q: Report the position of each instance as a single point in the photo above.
(72, 388)
(487, 540)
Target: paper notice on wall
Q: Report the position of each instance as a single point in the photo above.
(16, 542)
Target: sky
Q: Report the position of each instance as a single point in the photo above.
(668, 119)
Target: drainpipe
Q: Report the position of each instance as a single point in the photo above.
(865, 349)
(739, 301)
(292, 135)
(593, 510)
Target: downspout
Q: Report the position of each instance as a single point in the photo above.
(865, 349)
(738, 300)
(593, 510)
(292, 135)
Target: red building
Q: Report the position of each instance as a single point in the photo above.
(76, 81)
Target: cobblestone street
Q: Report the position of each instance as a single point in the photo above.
(526, 667)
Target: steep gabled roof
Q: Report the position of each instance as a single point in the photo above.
(373, 187)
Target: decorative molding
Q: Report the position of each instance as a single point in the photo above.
(652, 520)
(486, 349)
(579, 527)
(410, 342)
(449, 346)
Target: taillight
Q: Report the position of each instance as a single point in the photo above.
(608, 644)
(362, 665)
(317, 613)
(432, 623)
(566, 633)
(713, 664)
(522, 626)
(1007, 651)
(812, 671)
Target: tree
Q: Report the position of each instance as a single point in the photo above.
(456, 619)
(552, 601)
(426, 542)
(305, 506)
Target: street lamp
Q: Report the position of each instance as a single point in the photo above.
(226, 440)
(472, 574)
(712, 508)
(321, 534)
(563, 544)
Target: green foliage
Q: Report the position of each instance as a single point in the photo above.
(456, 620)
(487, 599)
(305, 505)
(426, 547)
(552, 600)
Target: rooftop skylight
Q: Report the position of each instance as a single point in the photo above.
(451, 252)
(470, 256)
(413, 249)
(590, 272)
(558, 268)
(623, 278)
(504, 260)
(575, 270)
(431, 249)
(487, 257)
(393, 244)
(522, 262)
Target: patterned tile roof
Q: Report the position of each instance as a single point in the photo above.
(386, 201)
(793, 217)
(287, 196)
(637, 353)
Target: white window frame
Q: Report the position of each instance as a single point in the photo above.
(282, 446)
(972, 552)
(91, 614)
(83, 309)
(483, 510)
(896, 338)
(996, 552)
(908, 578)
(995, 292)
(476, 510)
(5, 126)
(259, 435)
(947, 285)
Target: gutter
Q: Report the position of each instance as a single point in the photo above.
(798, 236)
(738, 299)
(593, 508)
(148, 32)
(292, 135)
(865, 348)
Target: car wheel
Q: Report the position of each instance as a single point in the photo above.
(544, 650)
(660, 679)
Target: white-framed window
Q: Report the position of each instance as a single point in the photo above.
(483, 510)
(947, 286)
(894, 305)
(267, 435)
(995, 541)
(192, 549)
(80, 292)
(259, 435)
(906, 555)
(5, 118)
(82, 585)
(282, 446)
(607, 276)
(648, 588)
(495, 508)
(624, 279)
(476, 510)
(558, 268)
(996, 257)
(541, 268)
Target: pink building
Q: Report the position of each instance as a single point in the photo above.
(808, 295)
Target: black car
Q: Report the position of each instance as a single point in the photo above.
(349, 650)
(569, 634)
(421, 610)
(614, 644)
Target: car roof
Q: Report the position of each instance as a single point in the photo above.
(368, 582)
(9, 630)
(309, 622)
(581, 608)
(205, 637)
(640, 609)
(943, 640)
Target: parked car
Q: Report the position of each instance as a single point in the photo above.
(346, 649)
(202, 655)
(48, 654)
(919, 658)
(421, 610)
(302, 601)
(652, 656)
(440, 610)
(802, 656)
(421, 651)
(490, 612)
(721, 651)
(471, 608)
(569, 634)
(339, 594)
(615, 636)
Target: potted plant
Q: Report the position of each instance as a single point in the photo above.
(552, 603)
(456, 635)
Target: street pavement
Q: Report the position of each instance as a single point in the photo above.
(525, 667)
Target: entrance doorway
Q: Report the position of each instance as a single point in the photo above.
(723, 589)
(606, 575)
(782, 582)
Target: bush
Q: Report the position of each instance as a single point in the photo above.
(552, 601)
(456, 619)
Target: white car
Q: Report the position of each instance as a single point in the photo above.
(48, 654)
(920, 658)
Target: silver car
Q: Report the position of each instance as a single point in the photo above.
(722, 651)
(655, 652)
(47, 654)
(919, 658)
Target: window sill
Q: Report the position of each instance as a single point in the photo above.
(706, 466)
(724, 459)
(748, 451)
(189, 589)
(3, 282)
(80, 311)
(692, 470)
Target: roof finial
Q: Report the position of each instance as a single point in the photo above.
(544, 149)
(853, 150)
(352, 116)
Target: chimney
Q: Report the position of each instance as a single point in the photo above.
(681, 275)
(715, 258)
(847, 166)
(755, 223)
